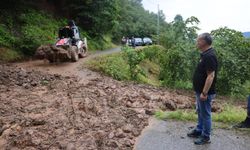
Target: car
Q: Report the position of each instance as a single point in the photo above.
(138, 42)
(147, 41)
(129, 42)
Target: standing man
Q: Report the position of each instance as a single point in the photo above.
(133, 42)
(204, 80)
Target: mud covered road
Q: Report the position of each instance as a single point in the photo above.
(65, 106)
(66, 69)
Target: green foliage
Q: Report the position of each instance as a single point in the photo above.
(130, 64)
(184, 115)
(101, 43)
(179, 58)
(150, 73)
(96, 17)
(154, 53)
(112, 65)
(115, 67)
(37, 28)
(230, 114)
(178, 66)
(233, 55)
(7, 55)
(24, 26)
(5, 37)
(34, 29)
(133, 20)
(134, 57)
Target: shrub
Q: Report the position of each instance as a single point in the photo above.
(112, 65)
(233, 52)
(37, 28)
(133, 57)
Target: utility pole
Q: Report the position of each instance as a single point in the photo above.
(158, 25)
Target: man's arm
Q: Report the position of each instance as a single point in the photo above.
(208, 83)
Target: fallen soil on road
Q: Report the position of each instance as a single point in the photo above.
(52, 111)
(60, 106)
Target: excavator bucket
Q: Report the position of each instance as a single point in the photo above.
(53, 53)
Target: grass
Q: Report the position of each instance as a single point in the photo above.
(230, 114)
(8, 55)
(151, 72)
(117, 66)
(112, 65)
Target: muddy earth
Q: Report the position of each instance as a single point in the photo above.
(65, 106)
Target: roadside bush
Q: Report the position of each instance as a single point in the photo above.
(6, 39)
(112, 65)
(37, 28)
(133, 57)
(116, 67)
(22, 34)
(178, 65)
(233, 52)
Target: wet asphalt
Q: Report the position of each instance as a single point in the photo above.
(171, 135)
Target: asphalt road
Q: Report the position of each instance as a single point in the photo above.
(171, 135)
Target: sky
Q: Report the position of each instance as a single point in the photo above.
(234, 14)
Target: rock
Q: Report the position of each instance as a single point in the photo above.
(149, 112)
(70, 146)
(216, 108)
(169, 104)
(135, 132)
(113, 87)
(146, 95)
(113, 144)
(120, 134)
(111, 135)
(34, 83)
(127, 128)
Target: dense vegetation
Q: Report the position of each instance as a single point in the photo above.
(173, 64)
(25, 24)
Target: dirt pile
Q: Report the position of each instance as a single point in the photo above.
(16, 76)
(53, 53)
(99, 114)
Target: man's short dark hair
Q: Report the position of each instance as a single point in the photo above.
(207, 37)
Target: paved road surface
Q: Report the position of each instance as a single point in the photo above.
(171, 135)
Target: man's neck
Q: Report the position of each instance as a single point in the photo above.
(205, 48)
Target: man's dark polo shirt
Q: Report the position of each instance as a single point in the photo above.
(208, 62)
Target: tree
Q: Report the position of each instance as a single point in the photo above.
(234, 53)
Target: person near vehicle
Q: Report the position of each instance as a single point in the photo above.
(75, 31)
(204, 80)
(133, 42)
(246, 122)
(124, 41)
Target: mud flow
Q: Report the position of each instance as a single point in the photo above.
(64, 106)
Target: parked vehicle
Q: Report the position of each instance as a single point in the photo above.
(147, 41)
(138, 42)
(129, 42)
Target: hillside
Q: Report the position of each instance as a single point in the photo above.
(26, 24)
(246, 34)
